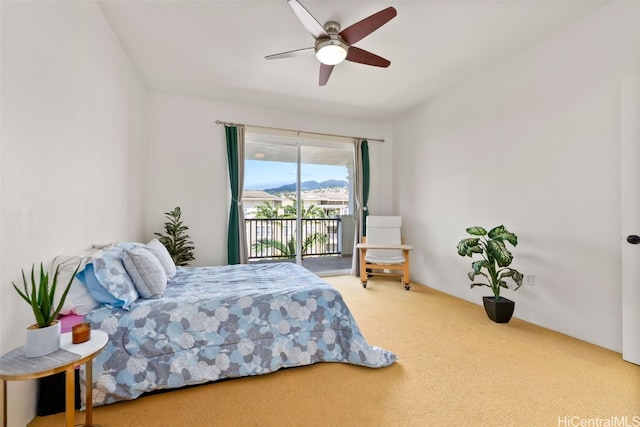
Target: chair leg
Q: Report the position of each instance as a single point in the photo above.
(405, 275)
(363, 268)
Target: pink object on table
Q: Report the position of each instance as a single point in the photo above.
(69, 321)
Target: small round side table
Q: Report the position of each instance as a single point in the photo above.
(15, 366)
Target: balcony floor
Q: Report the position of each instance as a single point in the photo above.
(327, 265)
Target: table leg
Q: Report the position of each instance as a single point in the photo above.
(89, 393)
(70, 399)
(4, 405)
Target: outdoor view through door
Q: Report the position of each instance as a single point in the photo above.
(297, 202)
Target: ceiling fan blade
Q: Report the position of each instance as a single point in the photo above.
(325, 73)
(309, 22)
(298, 52)
(363, 57)
(362, 29)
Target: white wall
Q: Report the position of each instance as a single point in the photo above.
(188, 163)
(73, 138)
(532, 142)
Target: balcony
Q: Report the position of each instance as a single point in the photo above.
(324, 248)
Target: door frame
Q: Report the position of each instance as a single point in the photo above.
(630, 215)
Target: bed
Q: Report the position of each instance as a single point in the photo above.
(213, 323)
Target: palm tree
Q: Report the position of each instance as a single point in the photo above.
(288, 249)
(267, 210)
(291, 211)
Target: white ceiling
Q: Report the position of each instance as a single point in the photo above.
(216, 49)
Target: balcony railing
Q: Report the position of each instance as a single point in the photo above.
(276, 237)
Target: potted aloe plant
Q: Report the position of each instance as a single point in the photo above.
(43, 337)
(493, 266)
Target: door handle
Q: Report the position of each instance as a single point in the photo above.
(633, 239)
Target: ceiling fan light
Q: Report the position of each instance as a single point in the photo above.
(331, 52)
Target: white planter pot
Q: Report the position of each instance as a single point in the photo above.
(42, 341)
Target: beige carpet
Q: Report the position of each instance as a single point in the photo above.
(455, 368)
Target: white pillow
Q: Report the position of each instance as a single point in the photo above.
(79, 300)
(146, 272)
(161, 252)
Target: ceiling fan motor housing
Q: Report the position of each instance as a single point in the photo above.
(331, 50)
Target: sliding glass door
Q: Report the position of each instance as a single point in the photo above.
(297, 201)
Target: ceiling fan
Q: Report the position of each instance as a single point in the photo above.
(334, 46)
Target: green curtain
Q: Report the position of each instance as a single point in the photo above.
(233, 234)
(364, 149)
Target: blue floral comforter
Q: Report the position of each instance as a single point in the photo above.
(225, 322)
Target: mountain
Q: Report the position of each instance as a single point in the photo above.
(308, 185)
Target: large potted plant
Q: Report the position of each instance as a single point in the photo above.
(494, 267)
(175, 239)
(43, 337)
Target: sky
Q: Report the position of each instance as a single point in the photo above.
(260, 174)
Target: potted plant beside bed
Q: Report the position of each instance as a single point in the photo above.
(494, 266)
(43, 337)
(176, 240)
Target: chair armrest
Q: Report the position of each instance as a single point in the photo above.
(380, 246)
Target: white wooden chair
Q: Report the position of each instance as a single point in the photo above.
(382, 251)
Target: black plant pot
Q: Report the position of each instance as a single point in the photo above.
(499, 311)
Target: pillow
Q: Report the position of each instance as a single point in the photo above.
(146, 272)
(161, 252)
(110, 273)
(96, 290)
(117, 245)
(79, 300)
